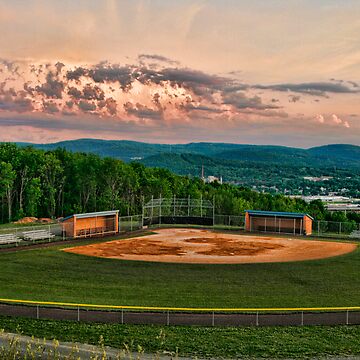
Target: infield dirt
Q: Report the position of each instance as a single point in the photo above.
(208, 247)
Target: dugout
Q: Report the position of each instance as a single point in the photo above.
(91, 224)
(278, 222)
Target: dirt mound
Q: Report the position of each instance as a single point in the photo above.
(26, 220)
(45, 220)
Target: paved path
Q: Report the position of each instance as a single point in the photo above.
(82, 351)
(182, 318)
(87, 352)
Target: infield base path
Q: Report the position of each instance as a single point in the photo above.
(207, 247)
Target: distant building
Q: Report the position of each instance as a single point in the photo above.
(317, 179)
(210, 179)
(343, 207)
(326, 198)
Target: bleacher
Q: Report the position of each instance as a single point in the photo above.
(355, 234)
(9, 239)
(34, 235)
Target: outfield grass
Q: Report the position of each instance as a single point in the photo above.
(52, 275)
(250, 342)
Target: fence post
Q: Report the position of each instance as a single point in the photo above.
(189, 206)
(174, 205)
(122, 316)
(214, 211)
(213, 319)
(347, 317)
(340, 228)
(302, 318)
(131, 223)
(142, 213)
(49, 232)
(294, 226)
(257, 318)
(152, 208)
(78, 313)
(168, 318)
(160, 213)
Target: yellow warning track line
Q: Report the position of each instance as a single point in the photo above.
(159, 308)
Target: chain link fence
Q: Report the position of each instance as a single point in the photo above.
(42, 233)
(336, 229)
(229, 222)
(130, 223)
(178, 316)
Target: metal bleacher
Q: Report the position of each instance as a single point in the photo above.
(34, 235)
(355, 234)
(9, 239)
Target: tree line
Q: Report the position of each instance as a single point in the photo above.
(59, 183)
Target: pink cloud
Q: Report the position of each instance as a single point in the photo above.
(320, 118)
(336, 119)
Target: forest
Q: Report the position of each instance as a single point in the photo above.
(58, 183)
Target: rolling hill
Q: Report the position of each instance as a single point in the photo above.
(341, 155)
(263, 167)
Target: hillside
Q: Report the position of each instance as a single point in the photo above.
(262, 167)
(337, 151)
(328, 155)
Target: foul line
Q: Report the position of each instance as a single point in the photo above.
(159, 308)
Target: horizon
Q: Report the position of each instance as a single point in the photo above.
(285, 74)
(183, 143)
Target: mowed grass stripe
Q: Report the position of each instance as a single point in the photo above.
(53, 275)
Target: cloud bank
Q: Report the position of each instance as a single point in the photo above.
(156, 96)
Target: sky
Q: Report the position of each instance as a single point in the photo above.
(166, 71)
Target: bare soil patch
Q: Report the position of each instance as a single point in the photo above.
(203, 246)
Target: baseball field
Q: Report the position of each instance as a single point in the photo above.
(212, 269)
(91, 273)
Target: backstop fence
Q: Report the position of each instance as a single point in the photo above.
(186, 211)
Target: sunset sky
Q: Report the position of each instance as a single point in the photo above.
(242, 71)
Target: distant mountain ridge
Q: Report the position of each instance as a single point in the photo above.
(342, 155)
(269, 168)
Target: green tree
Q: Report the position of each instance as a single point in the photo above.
(7, 178)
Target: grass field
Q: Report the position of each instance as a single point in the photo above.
(52, 275)
(203, 342)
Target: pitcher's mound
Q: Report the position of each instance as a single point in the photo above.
(203, 246)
